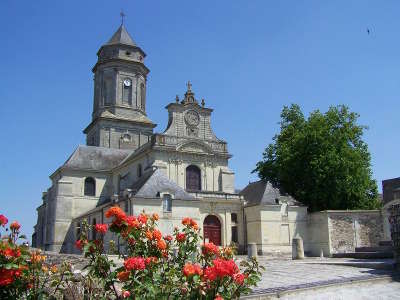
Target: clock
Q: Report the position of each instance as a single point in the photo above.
(127, 82)
(192, 118)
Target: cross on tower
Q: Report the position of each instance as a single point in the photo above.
(122, 16)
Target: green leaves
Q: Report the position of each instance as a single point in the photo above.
(321, 161)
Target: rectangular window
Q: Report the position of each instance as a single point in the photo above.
(78, 231)
(167, 203)
(234, 234)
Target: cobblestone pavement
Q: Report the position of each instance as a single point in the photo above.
(286, 274)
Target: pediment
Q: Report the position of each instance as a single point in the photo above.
(195, 147)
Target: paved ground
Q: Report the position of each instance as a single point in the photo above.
(282, 275)
(370, 291)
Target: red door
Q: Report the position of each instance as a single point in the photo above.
(212, 230)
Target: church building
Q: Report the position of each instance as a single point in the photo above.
(180, 172)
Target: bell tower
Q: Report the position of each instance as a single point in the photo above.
(119, 117)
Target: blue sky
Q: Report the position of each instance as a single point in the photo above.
(246, 58)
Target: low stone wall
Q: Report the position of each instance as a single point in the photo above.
(54, 258)
(351, 229)
(338, 231)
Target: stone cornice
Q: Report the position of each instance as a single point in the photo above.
(98, 119)
(124, 63)
(182, 107)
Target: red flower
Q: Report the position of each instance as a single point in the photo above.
(135, 263)
(225, 267)
(79, 244)
(15, 226)
(11, 253)
(126, 294)
(220, 269)
(101, 228)
(142, 218)
(180, 237)
(239, 278)
(210, 248)
(3, 220)
(118, 214)
(190, 270)
(155, 217)
(161, 245)
(149, 260)
(149, 235)
(8, 276)
(186, 221)
(218, 298)
(168, 238)
(210, 274)
(132, 221)
(193, 223)
(157, 234)
(124, 275)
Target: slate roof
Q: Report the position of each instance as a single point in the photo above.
(263, 192)
(93, 158)
(153, 182)
(121, 36)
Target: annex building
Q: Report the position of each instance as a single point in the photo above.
(182, 171)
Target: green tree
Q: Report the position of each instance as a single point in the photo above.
(321, 161)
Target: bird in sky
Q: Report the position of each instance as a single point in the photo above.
(368, 31)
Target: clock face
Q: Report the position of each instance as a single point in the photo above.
(127, 82)
(192, 118)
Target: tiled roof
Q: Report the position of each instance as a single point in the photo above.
(155, 182)
(95, 158)
(263, 192)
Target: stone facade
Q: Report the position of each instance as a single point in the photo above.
(183, 171)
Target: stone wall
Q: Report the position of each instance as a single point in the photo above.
(351, 229)
(339, 231)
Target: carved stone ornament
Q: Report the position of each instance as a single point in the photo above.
(192, 118)
(192, 131)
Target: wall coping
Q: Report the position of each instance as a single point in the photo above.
(349, 211)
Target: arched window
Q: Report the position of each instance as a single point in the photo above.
(193, 178)
(167, 203)
(90, 187)
(234, 218)
(139, 171)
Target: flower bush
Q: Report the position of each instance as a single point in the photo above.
(24, 274)
(154, 265)
(166, 267)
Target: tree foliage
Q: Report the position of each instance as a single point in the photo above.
(321, 161)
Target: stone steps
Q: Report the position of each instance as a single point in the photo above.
(386, 243)
(364, 255)
(377, 264)
(375, 249)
